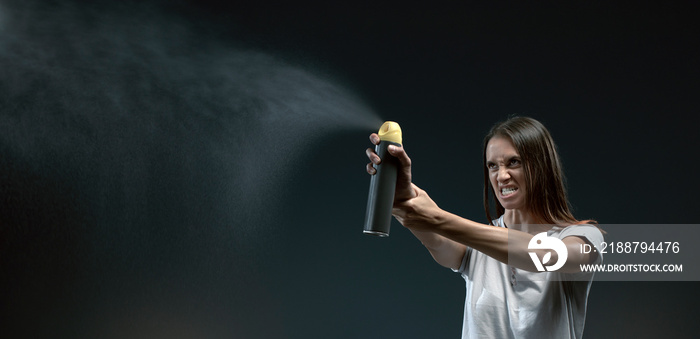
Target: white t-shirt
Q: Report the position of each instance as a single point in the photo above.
(504, 302)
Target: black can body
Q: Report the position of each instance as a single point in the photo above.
(382, 187)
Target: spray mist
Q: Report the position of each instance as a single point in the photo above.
(383, 183)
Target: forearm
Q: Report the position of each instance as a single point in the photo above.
(446, 252)
(421, 214)
(505, 245)
(430, 240)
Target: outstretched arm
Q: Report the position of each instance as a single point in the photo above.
(447, 236)
(503, 244)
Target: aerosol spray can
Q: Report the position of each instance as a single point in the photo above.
(382, 186)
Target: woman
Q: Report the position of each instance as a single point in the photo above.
(507, 295)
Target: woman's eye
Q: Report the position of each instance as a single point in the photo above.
(491, 166)
(515, 162)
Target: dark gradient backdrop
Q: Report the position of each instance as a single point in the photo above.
(195, 169)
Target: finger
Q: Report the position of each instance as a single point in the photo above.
(373, 157)
(416, 190)
(370, 169)
(374, 138)
(404, 190)
(400, 154)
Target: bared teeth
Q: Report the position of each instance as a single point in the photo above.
(508, 190)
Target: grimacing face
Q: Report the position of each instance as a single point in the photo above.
(506, 173)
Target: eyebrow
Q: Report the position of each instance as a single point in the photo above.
(516, 157)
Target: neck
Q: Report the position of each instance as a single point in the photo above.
(521, 220)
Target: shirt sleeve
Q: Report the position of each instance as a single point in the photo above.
(465, 261)
(591, 234)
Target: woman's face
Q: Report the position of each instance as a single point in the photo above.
(506, 172)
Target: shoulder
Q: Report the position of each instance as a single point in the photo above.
(590, 233)
(580, 230)
(575, 236)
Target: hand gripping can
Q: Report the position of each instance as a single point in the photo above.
(382, 186)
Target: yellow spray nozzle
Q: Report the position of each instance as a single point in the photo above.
(390, 131)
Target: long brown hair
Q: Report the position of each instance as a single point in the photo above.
(545, 182)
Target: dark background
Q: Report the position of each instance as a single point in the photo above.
(128, 205)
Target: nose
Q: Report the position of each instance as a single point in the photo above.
(503, 175)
